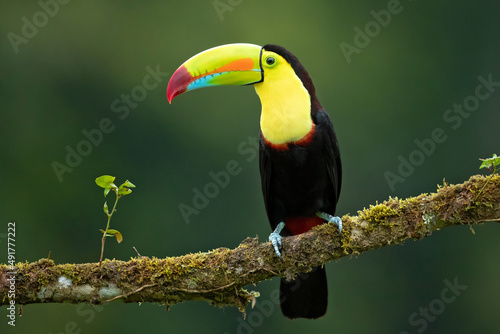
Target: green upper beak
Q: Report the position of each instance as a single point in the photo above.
(231, 64)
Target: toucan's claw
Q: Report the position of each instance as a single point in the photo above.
(331, 220)
(275, 239)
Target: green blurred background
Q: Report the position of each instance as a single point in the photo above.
(64, 79)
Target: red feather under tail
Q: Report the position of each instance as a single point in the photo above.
(298, 225)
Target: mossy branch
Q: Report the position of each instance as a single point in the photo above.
(220, 276)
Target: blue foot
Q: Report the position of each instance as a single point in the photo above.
(331, 220)
(275, 238)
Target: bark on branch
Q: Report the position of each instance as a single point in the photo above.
(219, 276)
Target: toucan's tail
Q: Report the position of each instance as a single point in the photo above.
(306, 296)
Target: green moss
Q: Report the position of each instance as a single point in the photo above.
(377, 213)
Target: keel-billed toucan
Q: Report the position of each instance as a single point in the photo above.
(299, 154)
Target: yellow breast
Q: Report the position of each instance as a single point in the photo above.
(286, 105)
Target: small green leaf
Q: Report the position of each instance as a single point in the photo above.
(485, 164)
(490, 162)
(106, 211)
(109, 234)
(105, 181)
(124, 188)
(117, 234)
(128, 184)
(112, 186)
(124, 191)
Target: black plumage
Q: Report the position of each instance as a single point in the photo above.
(300, 179)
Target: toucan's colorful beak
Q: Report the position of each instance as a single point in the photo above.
(231, 64)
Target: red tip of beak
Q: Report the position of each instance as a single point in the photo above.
(178, 83)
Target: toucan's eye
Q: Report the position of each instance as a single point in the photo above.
(270, 61)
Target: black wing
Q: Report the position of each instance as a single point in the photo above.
(265, 178)
(331, 152)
